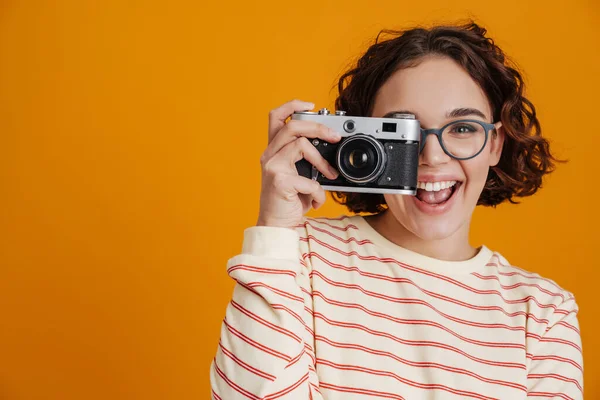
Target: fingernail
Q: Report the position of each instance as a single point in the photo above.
(335, 135)
(333, 172)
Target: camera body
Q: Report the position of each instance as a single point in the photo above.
(375, 155)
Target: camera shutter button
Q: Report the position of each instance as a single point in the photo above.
(349, 126)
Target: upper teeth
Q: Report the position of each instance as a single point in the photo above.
(435, 186)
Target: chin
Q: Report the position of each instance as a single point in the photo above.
(433, 230)
(427, 226)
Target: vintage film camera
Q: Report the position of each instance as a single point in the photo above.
(375, 155)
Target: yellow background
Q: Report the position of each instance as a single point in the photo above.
(130, 137)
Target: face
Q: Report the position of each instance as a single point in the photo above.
(434, 90)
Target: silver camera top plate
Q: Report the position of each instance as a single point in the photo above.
(403, 128)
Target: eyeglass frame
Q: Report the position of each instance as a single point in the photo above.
(438, 132)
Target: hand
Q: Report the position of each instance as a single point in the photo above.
(286, 196)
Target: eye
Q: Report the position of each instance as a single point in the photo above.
(463, 129)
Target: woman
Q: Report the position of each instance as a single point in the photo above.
(399, 304)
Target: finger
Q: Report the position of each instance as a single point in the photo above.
(278, 115)
(311, 193)
(302, 149)
(296, 129)
(309, 202)
(318, 198)
(304, 185)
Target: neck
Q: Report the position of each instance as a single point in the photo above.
(456, 247)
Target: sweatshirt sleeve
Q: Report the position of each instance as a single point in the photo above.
(556, 361)
(266, 348)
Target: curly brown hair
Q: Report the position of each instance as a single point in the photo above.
(526, 156)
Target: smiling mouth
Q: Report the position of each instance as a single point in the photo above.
(436, 193)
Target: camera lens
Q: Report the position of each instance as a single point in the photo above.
(360, 158)
(349, 126)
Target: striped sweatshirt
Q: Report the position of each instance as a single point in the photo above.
(333, 310)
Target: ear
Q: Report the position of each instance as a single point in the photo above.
(496, 143)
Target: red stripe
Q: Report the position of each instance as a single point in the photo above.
(284, 308)
(433, 294)
(371, 393)
(564, 312)
(274, 290)
(234, 386)
(275, 306)
(349, 240)
(421, 302)
(520, 272)
(293, 314)
(242, 364)
(524, 272)
(309, 350)
(552, 340)
(287, 390)
(549, 395)
(423, 272)
(296, 359)
(427, 386)
(250, 286)
(264, 322)
(417, 322)
(569, 326)
(303, 263)
(419, 364)
(299, 319)
(405, 280)
(555, 358)
(339, 228)
(215, 395)
(315, 388)
(279, 306)
(519, 284)
(531, 277)
(423, 343)
(306, 292)
(253, 268)
(495, 255)
(340, 218)
(255, 344)
(242, 284)
(557, 377)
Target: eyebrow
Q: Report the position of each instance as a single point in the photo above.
(456, 113)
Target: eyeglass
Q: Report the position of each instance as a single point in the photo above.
(462, 140)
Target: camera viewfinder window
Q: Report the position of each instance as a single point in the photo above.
(389, 127)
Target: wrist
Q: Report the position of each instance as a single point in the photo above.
(275, 223)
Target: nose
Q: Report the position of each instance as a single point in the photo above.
(433, 154)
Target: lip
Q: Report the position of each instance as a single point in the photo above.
(438, 178)
(433, 210)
